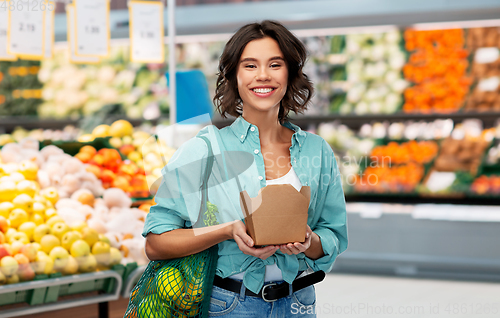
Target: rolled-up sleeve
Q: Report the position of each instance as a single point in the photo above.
(178, 198)
(331, 226)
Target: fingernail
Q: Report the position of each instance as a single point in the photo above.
(307, 235)
(250, 242)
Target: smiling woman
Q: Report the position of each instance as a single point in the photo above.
(260, 81)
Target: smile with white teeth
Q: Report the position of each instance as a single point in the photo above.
(263, 90)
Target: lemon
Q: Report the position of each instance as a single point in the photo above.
(169, 283)
(101, 131)
(121, 128)
(86, 138)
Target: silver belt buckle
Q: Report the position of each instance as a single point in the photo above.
(264, 293)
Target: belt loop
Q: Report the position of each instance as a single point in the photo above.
(290, 289)
(242, 292)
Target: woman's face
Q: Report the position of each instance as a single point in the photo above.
(262, 76)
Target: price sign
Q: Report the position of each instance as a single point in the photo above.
(26, 33)
(146, 31)
(4, 25)
(49, 31)
(70, 17)
(92, 27)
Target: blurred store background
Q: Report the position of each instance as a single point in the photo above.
(407, 95)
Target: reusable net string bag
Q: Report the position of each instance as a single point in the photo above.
(179, 287)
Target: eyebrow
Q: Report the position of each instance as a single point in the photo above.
(251, 59)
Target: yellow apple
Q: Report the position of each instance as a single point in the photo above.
(28, 169)
(116, 256)
(5, 208)
(23, 201)
(80, 248)
(27, 187)
(14, 279)
(8, 190)
(28, 228)
(18, 217)
(101, 253)
(53, 220)
(104, 239)
(37, 246)
(87, 263)
(69, 238)
(60, 257)
(49, 213)
(90, 236)
(3, 279)
(15, 247)
(51, 194)
(37, 219)
(9, 233)
(48, 242)
(71, 267)
(79, 226)
(43, 263)
(39, 208)
(40, 231)
(19, 237)
(59, 229)
(8, 265)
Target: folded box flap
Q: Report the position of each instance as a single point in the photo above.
(282, 199)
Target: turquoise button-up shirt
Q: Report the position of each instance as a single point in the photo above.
(179, 196)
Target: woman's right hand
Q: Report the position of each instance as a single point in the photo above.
(245, 242)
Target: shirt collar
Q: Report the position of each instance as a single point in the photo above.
(240, 128)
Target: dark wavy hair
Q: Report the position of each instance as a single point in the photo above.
(299, 90)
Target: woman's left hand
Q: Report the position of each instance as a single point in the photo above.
(297, 247)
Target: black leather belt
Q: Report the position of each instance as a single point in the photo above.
(271, 292)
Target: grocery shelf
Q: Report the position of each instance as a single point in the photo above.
(50, 289)
(401, 243)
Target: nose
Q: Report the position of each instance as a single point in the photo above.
(263, 74)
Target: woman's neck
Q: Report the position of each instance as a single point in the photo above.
(270, 129)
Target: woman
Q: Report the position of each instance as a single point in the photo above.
(260, 82)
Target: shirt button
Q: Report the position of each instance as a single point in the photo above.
(252, 129)
(256, 151)
(260, 178)
(242, 136)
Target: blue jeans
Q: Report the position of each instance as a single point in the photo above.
(225, 303)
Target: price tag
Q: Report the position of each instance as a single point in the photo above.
(70, 17)
(49, 31)
(146, 31)
(92, 27)
(4, 25)
(26, 32)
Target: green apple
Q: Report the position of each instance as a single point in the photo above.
(48, 242)
(28, 228)
(80, 248)
(104, 238)
(40, 231)
(60, 257)
(59, 229)
(69, 238)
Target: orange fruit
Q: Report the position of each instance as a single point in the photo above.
(88, 149)
(83, 157)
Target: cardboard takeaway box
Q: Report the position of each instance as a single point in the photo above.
(277, 215)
